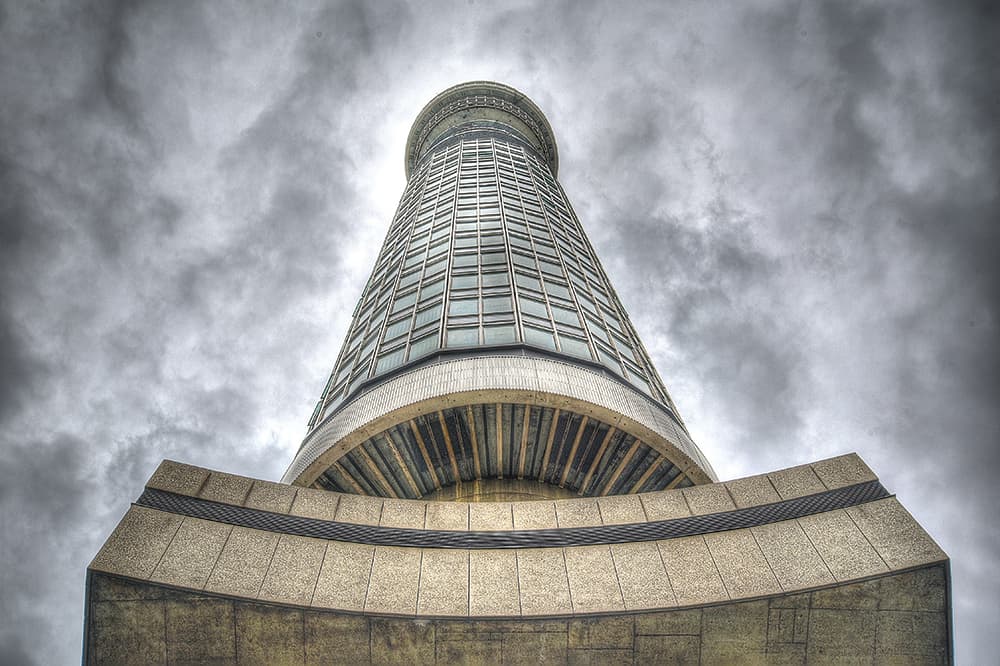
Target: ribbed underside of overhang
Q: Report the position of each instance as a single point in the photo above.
(501, 441)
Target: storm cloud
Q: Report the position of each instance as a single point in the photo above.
(797, 203)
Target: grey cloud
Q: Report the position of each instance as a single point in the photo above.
(796, 202)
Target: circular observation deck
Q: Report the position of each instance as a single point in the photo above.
(478, 101)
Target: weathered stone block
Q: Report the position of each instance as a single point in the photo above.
(201, 631)
(295, 566)
(735, 633)
(192, 553)
(593, 581)
(128, 632)
(335, 638)
(841, 636)
(268, 635)
(667, 649)
(402, 642)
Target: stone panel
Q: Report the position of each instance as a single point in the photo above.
(295, 566)
(898, 538)
(312, 503)
(130, 632)
(493, 584)
(796, 482)
(643, 580)
(403, 513)
(359, 509)
(692, 572)
(665, 505)
(577, 512)
(137, 543)
(735, 633)
(543, 584)
(708, 499)
(226, 488)
(200, 631)
(843, 471)
(911, 637)
(843, 547)
(593, 582)
(394, 580)
(741, 564)
(679, 650)
(794, 561)
(534, 515)
(752, 491)
(192, 553)
(444, 582)
(621, 509)
(343, 578)
(401, 642)
(175, 477)
(490, 516)
(243, 563)
(447, 516)
(331, 638)
(269, 635)
(829, 631)
(270, 496)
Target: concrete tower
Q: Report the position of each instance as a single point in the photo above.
(488, 344)
(495, 473)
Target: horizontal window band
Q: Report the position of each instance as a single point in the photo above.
(798, 507)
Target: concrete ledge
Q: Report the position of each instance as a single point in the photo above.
(789, 556)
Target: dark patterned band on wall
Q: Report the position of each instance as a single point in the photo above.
(543, 538)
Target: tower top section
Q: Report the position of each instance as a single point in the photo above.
(481, 102)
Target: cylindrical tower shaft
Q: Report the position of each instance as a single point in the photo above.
(486, 272)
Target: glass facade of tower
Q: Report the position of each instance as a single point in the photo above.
(485, 252)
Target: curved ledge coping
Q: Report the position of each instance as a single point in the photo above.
(481, 95)
(532, 380)
(814, 551)
(830, 500)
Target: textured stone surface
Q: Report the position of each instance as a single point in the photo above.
(844, 549)
(178, 478)
(489, 516)
(897, 538)
(444, 583)
(621, 509)
(493, 586)
(643, 580)
(226, 488)
(752, 491)
(137, 543)
(243, 563)
(200, 631)
(359, 509)
(447, 516)
(796, 482)
(269, 635)
(394, 580)
(741, 564)
(577, 512)
(534, 515)
(708, 499)
(343, 577)
(192, 553)
(843, 471)
(311, 503)
(269, 496)
(133, 622)
(544, 587)
(665, 505)
(291, 577)
(793, 559)
(593, 582)
(692, 571)
(403, 513)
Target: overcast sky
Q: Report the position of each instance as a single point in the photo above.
(797, 202)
